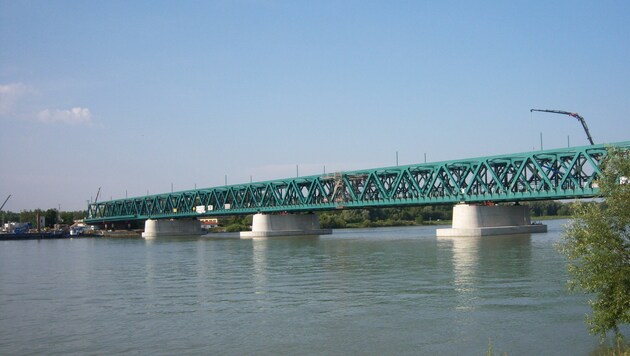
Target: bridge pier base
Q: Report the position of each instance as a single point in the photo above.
(264, 225)
(156, 228)
(481, 220)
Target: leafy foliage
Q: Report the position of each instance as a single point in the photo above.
(234, 223)
(378, 217)
(597, 244)
(549, 208)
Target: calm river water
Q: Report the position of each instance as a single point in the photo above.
(367, 291)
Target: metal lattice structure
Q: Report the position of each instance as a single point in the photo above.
(550, 174)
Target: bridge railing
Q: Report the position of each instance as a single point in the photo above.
(550, 174)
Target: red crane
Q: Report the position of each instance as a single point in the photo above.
(575, 115)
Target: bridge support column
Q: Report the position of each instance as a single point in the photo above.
(156, 228)
(264, 225)
(481, 220)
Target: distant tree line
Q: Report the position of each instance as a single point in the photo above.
(53, 216)
(378, 217)
(550, 208)
(235, 223)
(400, 216)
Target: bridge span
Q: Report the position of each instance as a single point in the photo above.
(563, 173)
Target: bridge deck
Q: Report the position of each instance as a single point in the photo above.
(550, 174)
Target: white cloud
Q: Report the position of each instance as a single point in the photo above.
(9, 95)
(74, 116)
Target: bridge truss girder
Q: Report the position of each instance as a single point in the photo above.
(550, 174)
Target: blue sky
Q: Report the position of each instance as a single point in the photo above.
(132, 96)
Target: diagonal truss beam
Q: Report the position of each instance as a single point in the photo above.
(550, 174)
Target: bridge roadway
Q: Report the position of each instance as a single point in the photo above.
(550, 174)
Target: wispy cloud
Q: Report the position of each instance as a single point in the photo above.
(13, 96)
(74, 116)
(9, 95)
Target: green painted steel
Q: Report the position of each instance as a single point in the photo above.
(550, 174)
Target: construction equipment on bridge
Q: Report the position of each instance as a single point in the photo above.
(575, 115)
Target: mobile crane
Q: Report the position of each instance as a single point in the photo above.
(575, 115)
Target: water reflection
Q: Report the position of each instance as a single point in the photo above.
(465, 259)
(169, 239)
(485, 262)
(290, 254)
(259, 259)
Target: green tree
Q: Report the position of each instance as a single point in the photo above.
(565, 210)
(30, 216)
(51, 217)
(597, 244)
(67, 217)
(9, 216)
(80, 214)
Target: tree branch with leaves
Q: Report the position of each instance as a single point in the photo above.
(597, 245)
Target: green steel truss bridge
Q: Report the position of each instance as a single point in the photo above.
(551, 174)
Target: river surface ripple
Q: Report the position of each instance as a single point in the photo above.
(364, 291)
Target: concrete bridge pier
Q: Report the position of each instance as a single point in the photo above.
(265, 225)
(483, 220)
(156, 228)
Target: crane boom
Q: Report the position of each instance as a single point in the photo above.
(97, 193)
(575, 115)
(5, 201)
